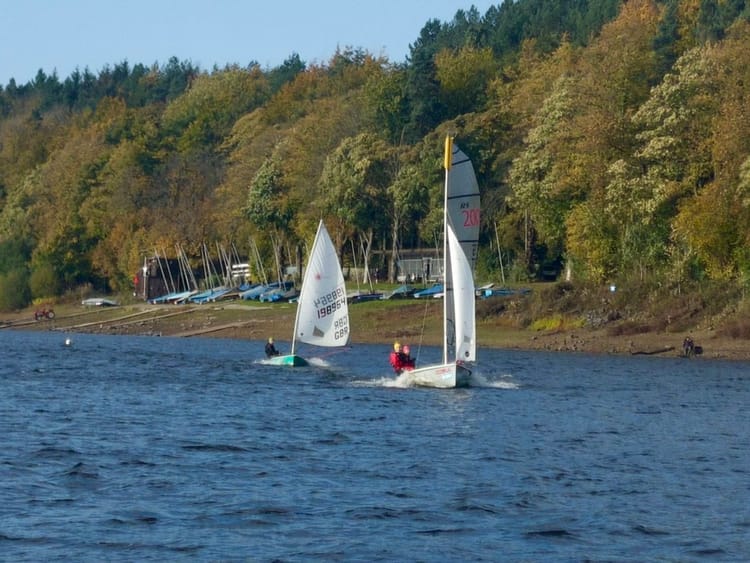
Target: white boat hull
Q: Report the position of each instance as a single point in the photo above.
(442, 376)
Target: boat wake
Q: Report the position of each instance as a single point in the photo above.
(406, 380)
(318, 362)
(478, 380)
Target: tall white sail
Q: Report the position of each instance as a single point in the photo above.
(462, 215)
(322, 312)
(462, 200)
(464, 317)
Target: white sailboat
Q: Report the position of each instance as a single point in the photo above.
(322, 311)
(460, 243)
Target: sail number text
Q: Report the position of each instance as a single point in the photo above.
(328, 304)
(471, 217)
(341, 328)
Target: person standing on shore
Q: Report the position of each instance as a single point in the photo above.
(688, 347)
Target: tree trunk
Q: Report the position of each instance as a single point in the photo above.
(392, 272)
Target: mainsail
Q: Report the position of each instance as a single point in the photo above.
(322, 314)
(462, 217)
(462, 282)
(462, 199)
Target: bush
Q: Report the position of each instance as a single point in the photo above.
(43, 281)
(14, 290)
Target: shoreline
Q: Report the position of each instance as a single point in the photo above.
(257, 322)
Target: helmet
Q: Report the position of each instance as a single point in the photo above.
(396, 346)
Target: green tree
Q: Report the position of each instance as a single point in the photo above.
(386, 103)
(14, 253)
(423, 88)
(268, 205)
(204, 115)
(14, 290)
(43, 281)
(464, 76)
(354, 182)
(407, 202)
(535, 179)
(286, 72)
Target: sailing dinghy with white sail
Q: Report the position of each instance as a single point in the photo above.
(322, 311)
(460, 243)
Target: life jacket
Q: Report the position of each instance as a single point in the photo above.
(397, 361)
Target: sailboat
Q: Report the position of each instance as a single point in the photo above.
(460, 244)
(322, 312)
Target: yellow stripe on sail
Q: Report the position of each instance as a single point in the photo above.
(448, 152)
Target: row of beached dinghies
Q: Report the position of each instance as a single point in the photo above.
(322, 317)
(269, 292)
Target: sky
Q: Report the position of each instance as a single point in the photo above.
(62, 35)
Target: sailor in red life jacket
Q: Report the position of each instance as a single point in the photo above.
(400, 361)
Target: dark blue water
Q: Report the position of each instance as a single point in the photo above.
(153, 449)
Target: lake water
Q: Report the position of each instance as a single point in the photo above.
(165, 449)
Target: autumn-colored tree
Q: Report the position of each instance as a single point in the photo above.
(610, 125)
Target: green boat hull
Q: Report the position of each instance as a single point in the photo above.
(288, 360)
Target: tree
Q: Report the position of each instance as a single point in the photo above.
(354, 183)
(535, 177)
(43, 281)
(464, 76)
(407, 200)
(14, 290)
(286, 72)
(204, 115)
(423, 88)
(386, 103)
(267, 204)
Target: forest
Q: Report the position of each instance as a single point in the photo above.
(611, 141)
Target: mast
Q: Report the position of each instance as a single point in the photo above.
(446, 259)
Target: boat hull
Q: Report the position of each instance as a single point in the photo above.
(442, 376)
(292, 360)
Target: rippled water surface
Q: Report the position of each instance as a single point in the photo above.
(138, 449)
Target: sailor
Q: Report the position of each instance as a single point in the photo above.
(408, 360)
(397, 358)
(271, 349)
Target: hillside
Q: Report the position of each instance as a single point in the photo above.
(609, 140)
